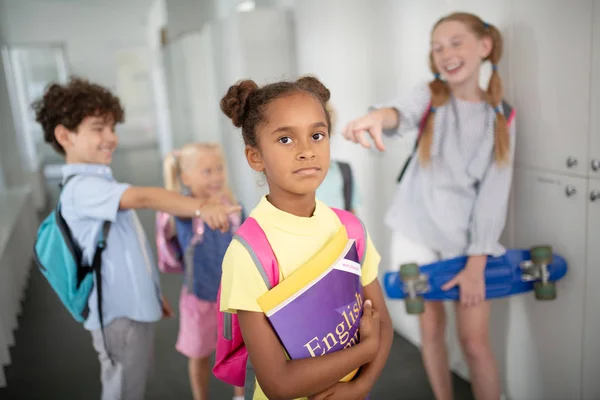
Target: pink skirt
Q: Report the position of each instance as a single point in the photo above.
(197, 326)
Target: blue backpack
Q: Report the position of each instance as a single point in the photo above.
(60, 261)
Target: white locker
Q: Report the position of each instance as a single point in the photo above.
(544, 360)
(551, 68)
(591, 333)
(594, 156)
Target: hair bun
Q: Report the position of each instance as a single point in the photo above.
(314, 85)
(234, 103)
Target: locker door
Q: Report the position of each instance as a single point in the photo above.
(551, 91)
(591, 335)
(543, 357)
(594, 155)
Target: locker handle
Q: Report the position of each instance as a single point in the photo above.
(595, 164)
(570, 190)
(595, 195)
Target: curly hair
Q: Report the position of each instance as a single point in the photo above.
(70, 104)
(245, 103)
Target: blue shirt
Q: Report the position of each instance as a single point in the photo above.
(203, 277)
(331, 190)
(130, 280)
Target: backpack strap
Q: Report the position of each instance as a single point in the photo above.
(62, 185)
(348, 183)
(509, 112)
(356, 230)
(416, 146)
(254, 240)
(96, 268)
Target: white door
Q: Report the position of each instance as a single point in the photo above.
(594, 155)
(542, 353)
(591, 337)
(553, 93)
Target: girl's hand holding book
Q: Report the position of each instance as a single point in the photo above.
(369, 329)
(369, 340)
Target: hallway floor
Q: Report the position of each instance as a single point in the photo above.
(54, 359)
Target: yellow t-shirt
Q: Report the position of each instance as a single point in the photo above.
(294, 241)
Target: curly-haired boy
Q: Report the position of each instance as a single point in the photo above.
(78, 120)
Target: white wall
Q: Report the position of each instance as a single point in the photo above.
(12, 172)
(157, 20)
(93, 31)
(193, 99)
(95, 35)
(186, 16)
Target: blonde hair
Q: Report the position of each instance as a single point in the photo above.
(440, 92)
(179, 160)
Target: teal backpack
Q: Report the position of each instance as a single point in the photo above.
(60, 261)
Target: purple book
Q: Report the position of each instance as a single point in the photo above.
(319, 309)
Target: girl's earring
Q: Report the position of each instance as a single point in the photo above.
(261, 181)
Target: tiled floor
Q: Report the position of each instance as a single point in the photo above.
(53, 357)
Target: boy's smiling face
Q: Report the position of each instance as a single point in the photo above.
(92, 142)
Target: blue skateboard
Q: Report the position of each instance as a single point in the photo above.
(517, 271)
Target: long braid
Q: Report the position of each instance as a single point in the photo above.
(440, 94)
(495, 94)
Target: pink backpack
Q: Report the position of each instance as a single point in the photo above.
(169, 251)
(170, 254)
(232, 364)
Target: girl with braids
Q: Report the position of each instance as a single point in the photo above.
(286, 129)
(452, 199)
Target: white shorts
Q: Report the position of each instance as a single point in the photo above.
(404, 250)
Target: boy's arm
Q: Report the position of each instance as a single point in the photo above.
(173, 203)
(159, 199)
(280, 378)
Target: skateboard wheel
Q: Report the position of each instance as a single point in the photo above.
(415, 306)
(544, 291)
(409, 271)
(541, 254)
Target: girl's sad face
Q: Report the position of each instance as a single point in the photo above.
(293, 144)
